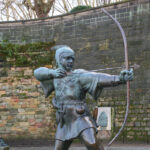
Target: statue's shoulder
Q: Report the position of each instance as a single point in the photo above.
(80, 71)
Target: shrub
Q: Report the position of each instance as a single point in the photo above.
(80, 8)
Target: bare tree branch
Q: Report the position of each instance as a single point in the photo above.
(30, 9)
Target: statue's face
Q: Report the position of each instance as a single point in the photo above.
(67, 61)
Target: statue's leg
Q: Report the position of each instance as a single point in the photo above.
(62, 145)
(88, 136)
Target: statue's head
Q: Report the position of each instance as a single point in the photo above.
(65, 58)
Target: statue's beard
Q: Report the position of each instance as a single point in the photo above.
(67, 67)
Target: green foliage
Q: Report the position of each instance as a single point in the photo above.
(32, 54)
(80, 8)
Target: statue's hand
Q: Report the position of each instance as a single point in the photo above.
(59, 73)
(126, 75)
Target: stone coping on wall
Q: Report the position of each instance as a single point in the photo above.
(112, 6)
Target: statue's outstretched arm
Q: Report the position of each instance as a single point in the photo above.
(105, 80)
(113, 80)
(92, 80)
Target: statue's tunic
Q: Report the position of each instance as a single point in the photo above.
(70, 92)
(72, 113)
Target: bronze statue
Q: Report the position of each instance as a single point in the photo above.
(71, 86)
(3, 145)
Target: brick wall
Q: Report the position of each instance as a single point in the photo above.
(98, 44)
(24, 111)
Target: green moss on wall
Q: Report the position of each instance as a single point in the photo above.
(33, 54)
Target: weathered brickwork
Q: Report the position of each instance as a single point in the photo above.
(98, 44)
(24, 110)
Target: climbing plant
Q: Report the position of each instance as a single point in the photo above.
(32, 54)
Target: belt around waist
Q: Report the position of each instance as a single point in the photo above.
(71, 102)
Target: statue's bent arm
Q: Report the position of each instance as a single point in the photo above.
(43, 73)
(45, 76)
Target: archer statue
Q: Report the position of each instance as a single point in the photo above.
(71, 86)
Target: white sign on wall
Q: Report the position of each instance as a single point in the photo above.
(104, 118)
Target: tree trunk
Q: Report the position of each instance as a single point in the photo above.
(42, 9)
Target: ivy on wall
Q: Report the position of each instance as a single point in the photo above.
(32, 54)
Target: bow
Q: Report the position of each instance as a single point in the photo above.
(127, 67)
